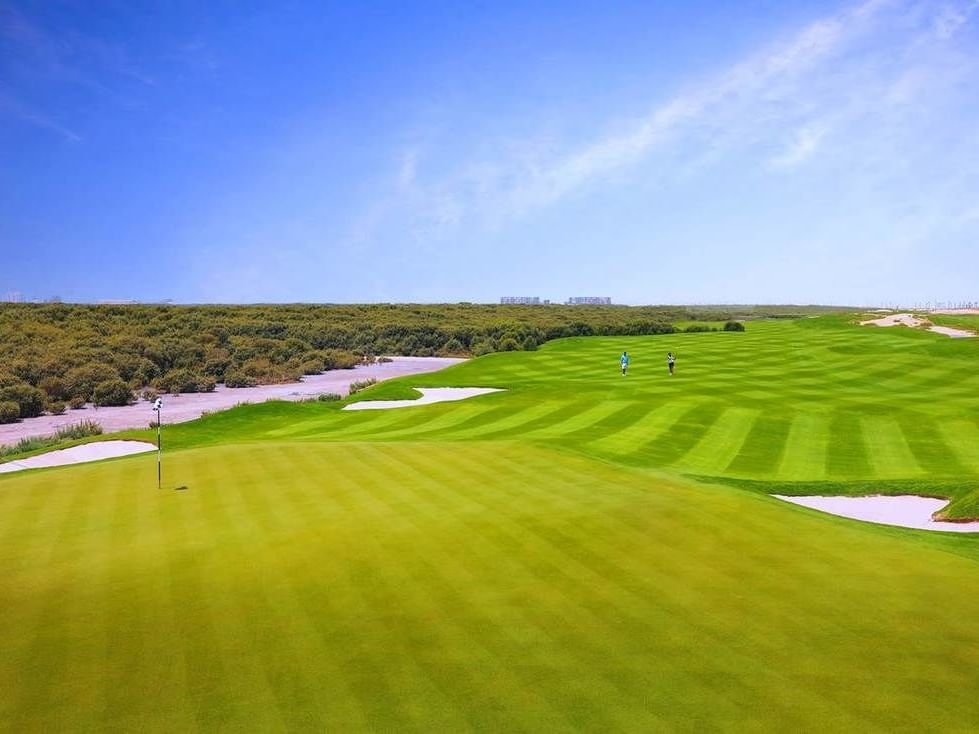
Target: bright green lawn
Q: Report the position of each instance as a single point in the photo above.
(538, 559)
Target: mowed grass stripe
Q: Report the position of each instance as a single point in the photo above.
(43, 643)
(463, 420)
(233, 641)
(927, 443)
(510, 537)
(761, 452)
(409, 419)
(399, 569)
(552, 567)
(559, 413)
(846, 456)
(679, 437)
(381, 602)
(806, 448)
(963, 437)
(621, 419)
(628, 439)
(510, 423)
(721, 443)
(443, 418)
(887, 448)
(143, 607)
(454, 570)
(584, 422)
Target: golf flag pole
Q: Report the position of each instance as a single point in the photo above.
(158, 407)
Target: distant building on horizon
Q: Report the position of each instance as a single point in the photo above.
(589, 301)
(520, 300)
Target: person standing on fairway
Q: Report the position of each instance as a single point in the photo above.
(670, 361)
(624, 361)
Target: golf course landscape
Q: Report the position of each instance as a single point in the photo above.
(582, 550)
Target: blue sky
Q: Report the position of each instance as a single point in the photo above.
(655, 152)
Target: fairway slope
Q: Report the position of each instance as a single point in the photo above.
(577, 551)
(486, 586)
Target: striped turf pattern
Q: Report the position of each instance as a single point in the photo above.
(781, 402)
(426, 587)
(532, 560)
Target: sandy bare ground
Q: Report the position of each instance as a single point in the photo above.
(956, 311)
(906, 511)
(79, 455)
(187, 407)
(907, 319)
(429, 395)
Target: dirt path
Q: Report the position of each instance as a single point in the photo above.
(187, 407)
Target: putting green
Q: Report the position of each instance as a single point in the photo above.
(539, 559)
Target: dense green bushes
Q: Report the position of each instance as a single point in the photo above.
(9, 411)
(64, 351)
(28, 399)
(80, 382)
(733, 326)
(183, 379)
(237, 378)
(112, 392)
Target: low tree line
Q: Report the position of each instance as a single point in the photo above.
(54, 357)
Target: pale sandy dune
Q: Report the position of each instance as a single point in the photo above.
(187, 407)
(896, 319)
(79, 455)
(907, 319)
(429, 395)
(949, 331)
(906, 511)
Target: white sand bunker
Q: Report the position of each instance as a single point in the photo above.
(79, 455)
(429, 395)
(907, 319)
(906, 511)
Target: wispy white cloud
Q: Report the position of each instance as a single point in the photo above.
(835, 72)
(804, 143)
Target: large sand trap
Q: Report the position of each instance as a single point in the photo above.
(79, 455)
(906, 511)
(429, 395)
(907, 319)
(187, 407)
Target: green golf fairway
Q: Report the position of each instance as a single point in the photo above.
(583, 551)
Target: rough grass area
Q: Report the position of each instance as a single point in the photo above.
(538, 559)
